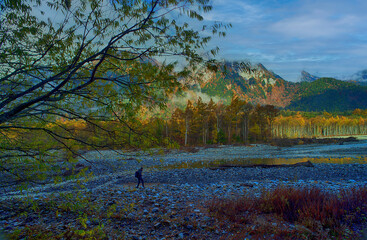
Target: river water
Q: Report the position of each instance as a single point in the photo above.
(348, 149)
(349, 152)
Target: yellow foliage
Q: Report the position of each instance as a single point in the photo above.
(74, 123)
(326, 125)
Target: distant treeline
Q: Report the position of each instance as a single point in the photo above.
(241, 122)
(199, 123)
(300, 124)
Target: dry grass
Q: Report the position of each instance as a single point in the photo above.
(292, 213)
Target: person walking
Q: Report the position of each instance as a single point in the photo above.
(139, 176)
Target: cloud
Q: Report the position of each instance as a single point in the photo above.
(234, 11)
(194, 96)
(315, 25)
(325, 37)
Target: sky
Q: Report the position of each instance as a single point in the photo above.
(327, 38)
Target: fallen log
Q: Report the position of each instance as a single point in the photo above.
(289, 142)
(226, 166)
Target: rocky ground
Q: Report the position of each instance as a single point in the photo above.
(174, 202)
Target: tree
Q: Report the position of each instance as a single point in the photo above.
(246, 109)
(188, 114)
(232, 115)
(212, 122)
(260, 115)
(220, 117)
(271, 112)
(177, 126)
(92, 60)
(202, 118)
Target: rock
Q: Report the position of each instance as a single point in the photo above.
(189, 227)
(8, 228)
(130, 215)
(157, 225)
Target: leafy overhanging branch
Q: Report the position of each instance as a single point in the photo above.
(93, 60)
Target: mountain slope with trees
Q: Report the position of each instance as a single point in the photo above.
(252, 83)
(257, 85)
(328, 94)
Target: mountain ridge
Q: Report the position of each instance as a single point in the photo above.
(257, 85)
(251, 82)
(307, 77)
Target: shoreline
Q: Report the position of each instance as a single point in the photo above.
(174, 204)
(112, 166)
(350, 174)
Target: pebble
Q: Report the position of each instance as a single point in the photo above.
(155, 210)
(181, 193)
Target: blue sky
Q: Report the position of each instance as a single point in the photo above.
(327, 38)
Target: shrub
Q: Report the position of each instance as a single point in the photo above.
(322, 213)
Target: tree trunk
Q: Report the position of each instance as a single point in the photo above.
(186, 131)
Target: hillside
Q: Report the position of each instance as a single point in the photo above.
(257, 85)
(254, 83)
(328, 94)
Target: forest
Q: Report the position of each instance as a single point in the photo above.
(199, 123)
(323, 125)
(203, 123)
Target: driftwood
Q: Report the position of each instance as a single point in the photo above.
(246, 185)
(226, 166)
(289, 142)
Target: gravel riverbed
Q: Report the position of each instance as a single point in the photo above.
(112, 168)
(172, 204)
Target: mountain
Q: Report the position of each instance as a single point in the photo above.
(307, 77)
(360, 76)
(328, 94)
(258, 85)
(252, 82)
